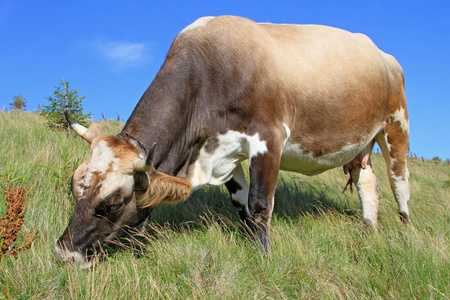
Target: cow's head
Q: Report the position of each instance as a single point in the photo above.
(114, 189)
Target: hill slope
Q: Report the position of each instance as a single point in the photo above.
(195, 249)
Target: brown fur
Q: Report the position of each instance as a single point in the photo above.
(121, 147)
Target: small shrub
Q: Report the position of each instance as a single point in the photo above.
(11, 223)
(19, 102)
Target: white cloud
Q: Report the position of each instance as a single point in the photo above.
(123, 55)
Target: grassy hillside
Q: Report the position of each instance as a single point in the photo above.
(194, 250)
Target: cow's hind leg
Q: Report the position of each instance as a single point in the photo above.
(393, 142)
(366, 183)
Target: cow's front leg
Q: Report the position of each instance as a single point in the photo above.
(238, 188)
(263, 177)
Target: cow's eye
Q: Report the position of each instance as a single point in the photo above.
(114, 207)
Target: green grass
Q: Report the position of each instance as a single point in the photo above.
(194, 250)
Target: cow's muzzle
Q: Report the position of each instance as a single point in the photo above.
(76, 258)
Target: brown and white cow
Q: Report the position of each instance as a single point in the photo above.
(302, 98)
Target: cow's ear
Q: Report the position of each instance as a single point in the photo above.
(164, 188)
(96, 128)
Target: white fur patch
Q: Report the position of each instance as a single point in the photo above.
(255, 146)
(367, 186)
(399, 184)
(198, 23)
(288, 133)
(217, 168)
(400, 187)
(400, 116)
(102, 157)
(241, 196)
(295, 159)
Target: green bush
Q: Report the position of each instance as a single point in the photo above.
(64, 97)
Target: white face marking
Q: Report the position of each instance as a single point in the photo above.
(400, 116)
(217, 168)
(198, 23)
(102, 157)
(114, 181)
(103, 161)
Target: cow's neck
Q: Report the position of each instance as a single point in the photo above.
(163, 116)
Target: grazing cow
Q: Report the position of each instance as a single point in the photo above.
(302, 98)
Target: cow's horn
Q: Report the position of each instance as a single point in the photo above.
(141, 165)
(82, 131)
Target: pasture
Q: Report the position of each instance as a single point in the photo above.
(194, 250)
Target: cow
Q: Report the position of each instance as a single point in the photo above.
(301, 98)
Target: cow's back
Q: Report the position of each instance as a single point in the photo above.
(330, 88)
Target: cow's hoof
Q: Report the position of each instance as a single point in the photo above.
(369, 223)
(404, 217)
(369, 226)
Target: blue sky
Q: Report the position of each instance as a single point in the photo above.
(111, 50)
